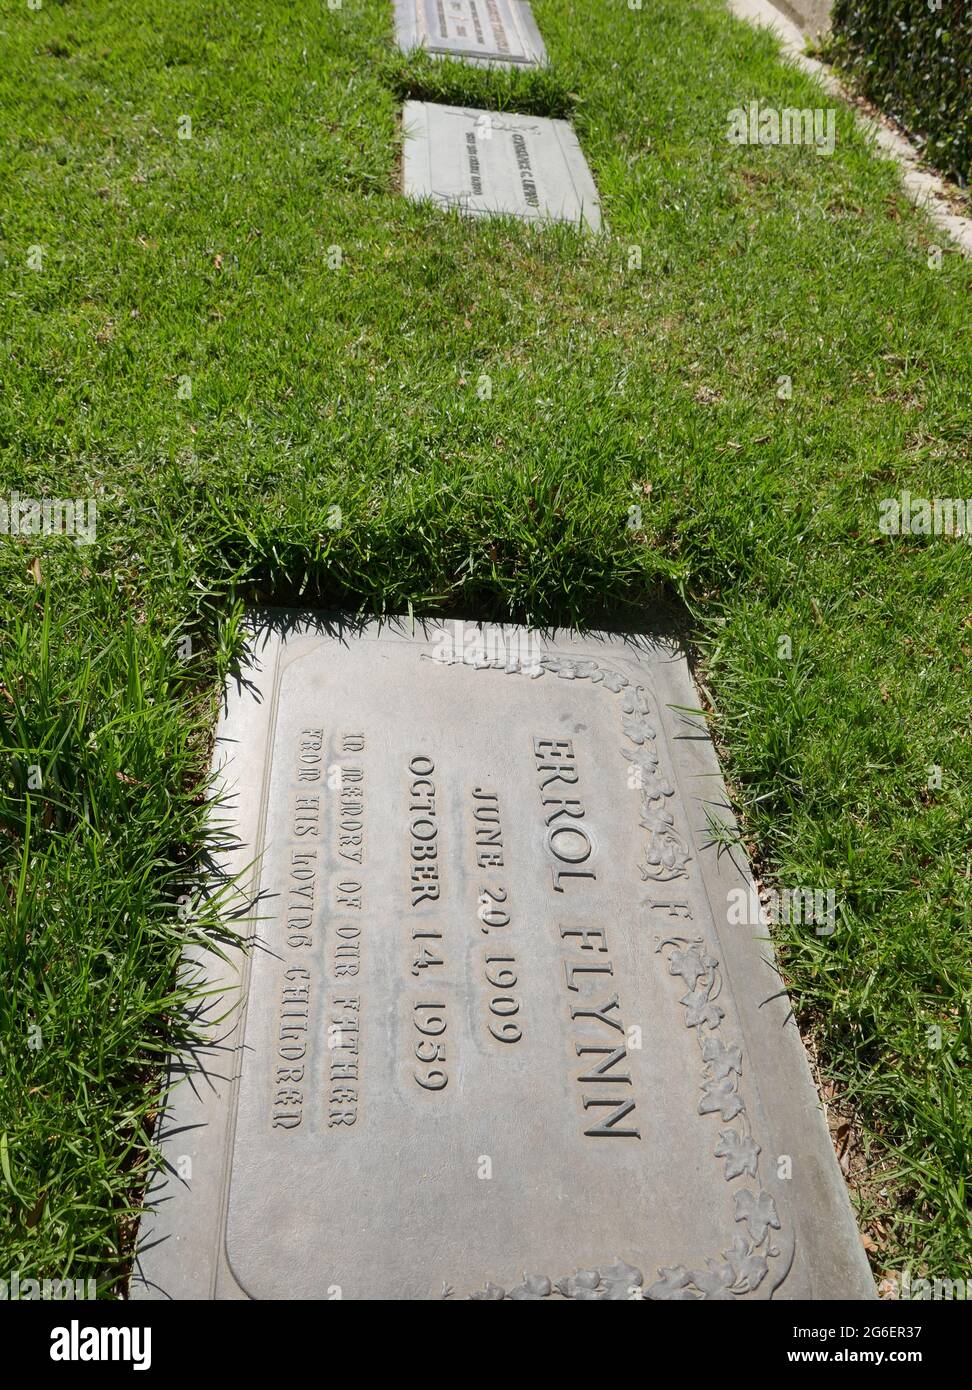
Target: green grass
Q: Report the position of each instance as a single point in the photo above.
(355, 388)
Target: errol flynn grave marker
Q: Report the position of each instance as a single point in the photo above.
(499, 1039)
(487, 162)
(498, 32)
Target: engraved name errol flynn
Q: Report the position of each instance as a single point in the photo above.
(570, 847)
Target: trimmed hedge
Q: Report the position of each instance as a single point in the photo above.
(913, 58)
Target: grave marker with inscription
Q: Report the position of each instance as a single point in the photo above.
(486, 162)
(500, 1036)
(496, 32)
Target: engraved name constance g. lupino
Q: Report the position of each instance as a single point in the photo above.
(489, 162)
(498, 1041)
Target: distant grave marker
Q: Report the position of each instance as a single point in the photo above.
(498, 32)
(486, 163)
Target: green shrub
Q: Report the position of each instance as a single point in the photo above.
(913, 58)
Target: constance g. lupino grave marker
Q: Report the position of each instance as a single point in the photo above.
(495, 1037)
(497, 32)
(488, 162)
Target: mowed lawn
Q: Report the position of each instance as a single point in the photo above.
(263, 417)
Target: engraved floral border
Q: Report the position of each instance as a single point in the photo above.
(745, 1266)
(666, 848)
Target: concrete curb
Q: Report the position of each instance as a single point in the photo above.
(926, 190)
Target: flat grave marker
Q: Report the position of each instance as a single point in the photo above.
(501, 1036)
(485, 163)
(496, 32)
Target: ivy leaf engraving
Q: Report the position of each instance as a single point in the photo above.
(665, 854)
(688, 964)
(634, 700)
(759, 1211)
(748, 1268)
(643, 757)
(614, 681)
(715, 1282)
(740, 1151)
(583, 1285)
(722, 1059)
(652, 797)
(720, 1096)
(673, 1286)
(619, 1281)
(566, 667)
(699, 1010)
(534, 1286)
(636, 727)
